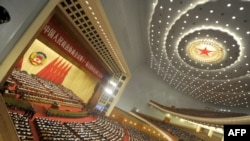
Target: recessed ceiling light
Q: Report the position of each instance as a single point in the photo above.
(233, 17)
(241, 8)
(229, 5)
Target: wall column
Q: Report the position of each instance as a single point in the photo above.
(7, 130)
(210, 133)
(198, 129)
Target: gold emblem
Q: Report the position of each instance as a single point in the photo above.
(205, 51)
(37, 58)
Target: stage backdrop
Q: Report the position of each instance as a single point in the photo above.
(44, 62)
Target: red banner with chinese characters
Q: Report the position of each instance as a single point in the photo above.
(63, 42)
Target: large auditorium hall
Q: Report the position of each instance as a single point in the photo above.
(124, 70)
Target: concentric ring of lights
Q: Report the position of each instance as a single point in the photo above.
(205, 51)
(231, 49)
(208, 82)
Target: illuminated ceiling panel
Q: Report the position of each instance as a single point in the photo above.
(201, 48)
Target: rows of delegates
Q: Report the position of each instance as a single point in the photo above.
(30, 87)
(33, 88)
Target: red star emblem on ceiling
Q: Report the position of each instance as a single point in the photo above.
(205, 51)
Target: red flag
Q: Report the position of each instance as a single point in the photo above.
(44, 73)
(20, 63)
(54, 72)
(62, 77)
(60, 71)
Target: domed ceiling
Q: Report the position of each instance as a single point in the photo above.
(201, 48)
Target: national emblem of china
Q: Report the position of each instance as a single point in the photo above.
(205, 51)
(37, 58)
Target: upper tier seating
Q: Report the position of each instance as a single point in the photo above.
(177, 132)
(200, 112)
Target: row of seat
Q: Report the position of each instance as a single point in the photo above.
(23, 78)
(84, 132)
(53, 130)
(36, 87)
(101, 129)
(22, 126)
(104, 128)
(58, 90)
(47, 96)
(136, 135)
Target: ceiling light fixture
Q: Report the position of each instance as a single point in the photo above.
(205, 51)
